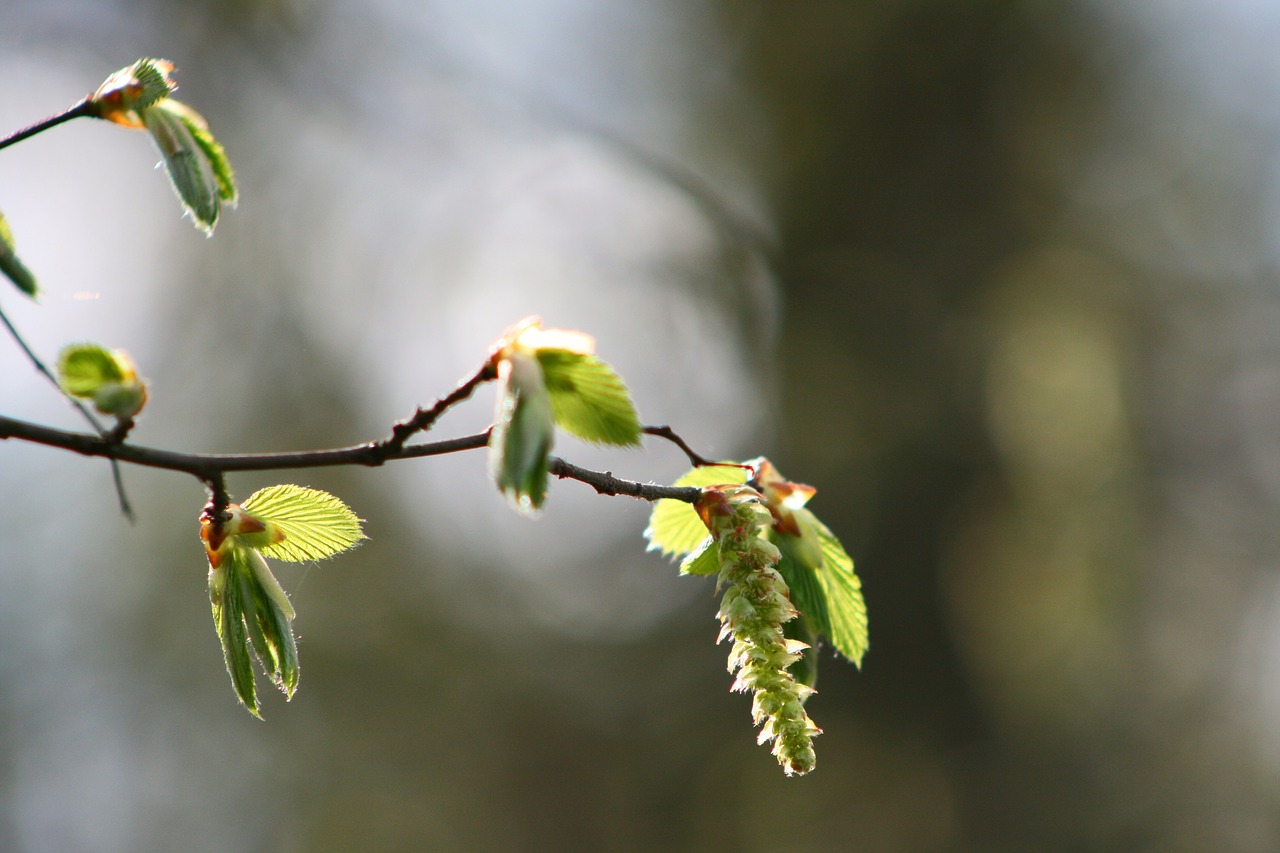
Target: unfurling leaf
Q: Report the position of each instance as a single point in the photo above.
(523, 430)
(588, 398)
(253, 617)
(107, 377)
(125, 94)
(313, 524)
(197, 165)
(13, 268)
(251, 611)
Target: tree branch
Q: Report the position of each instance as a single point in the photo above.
(209, 468)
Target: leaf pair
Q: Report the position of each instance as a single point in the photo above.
(823, 584)
(251, 611)
(549, 378)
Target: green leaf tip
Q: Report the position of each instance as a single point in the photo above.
(12, 266)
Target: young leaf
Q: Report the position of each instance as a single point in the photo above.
(272, 625)
(105, 376)
(125, 94)
(315, 524)
(253, 617)
(11, 266)
(523, 429)
(227, 595)
(588, 398)
(846, 626)
(85, 368)
(674, 527)
(185, 161)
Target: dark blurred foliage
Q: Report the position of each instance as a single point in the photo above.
(1020, 258)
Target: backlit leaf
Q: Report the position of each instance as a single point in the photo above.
(85, 368)
(588, 398)
(829, 594)
(315, 524)
(674, 527)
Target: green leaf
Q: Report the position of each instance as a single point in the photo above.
(674, 527)
(522, 433)
(315, 524)
(198, 183)
(588, 398)
(217, 157)
(11, 266)
(253, 618)
(227, 595)
(271, 627)
(829, 594)
(83, 369)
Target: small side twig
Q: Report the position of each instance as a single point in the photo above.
(695, 459)
(423, 419)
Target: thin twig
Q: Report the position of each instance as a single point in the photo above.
(81, 110)
(696, 459)
(423, 419)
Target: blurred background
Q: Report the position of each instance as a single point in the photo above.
(1000, 279)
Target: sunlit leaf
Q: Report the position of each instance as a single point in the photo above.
(84, 368)
(588, 398)
(828, 593)
(315, 524)
(674, 527)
